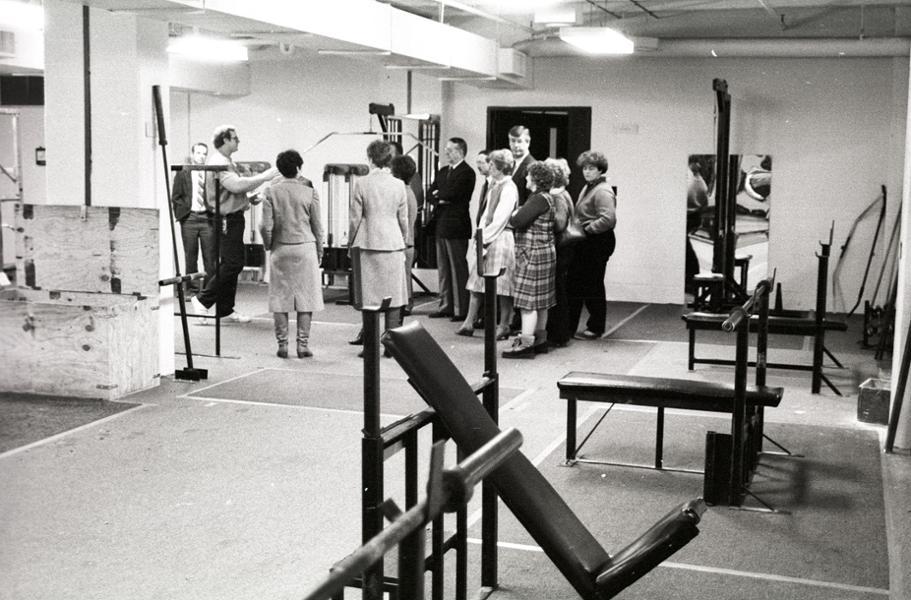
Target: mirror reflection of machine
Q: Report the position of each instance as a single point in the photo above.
(339, 180)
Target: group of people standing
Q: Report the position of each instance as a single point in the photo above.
(525, 214)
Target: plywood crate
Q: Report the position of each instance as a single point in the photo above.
(85, 324)
(80, 344)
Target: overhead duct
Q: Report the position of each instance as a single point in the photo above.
(742, 48)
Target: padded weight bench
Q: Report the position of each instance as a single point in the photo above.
(652, 391)
(593, 572)
(800, 323)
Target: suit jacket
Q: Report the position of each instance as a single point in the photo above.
(454, 188)
(182, 194)
(378, 213)
(518, 177)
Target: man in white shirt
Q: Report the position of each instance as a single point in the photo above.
(233, 201)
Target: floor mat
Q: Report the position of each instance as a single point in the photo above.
(322, 390)
(833, 495)
(663, 322)
(26, 418)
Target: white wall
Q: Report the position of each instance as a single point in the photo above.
(296, 101)
(834, 129)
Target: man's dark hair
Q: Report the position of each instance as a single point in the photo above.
(288, 162)
(462, 144)
(223, 134)
(203, 144)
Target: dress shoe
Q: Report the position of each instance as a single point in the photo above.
(467, 332)
(440, 315)
(457, 318)
(503, 333)
(587, 335)
(523, 346)
(282, 351)
(478, 324)
(304, 352)
(358, 340)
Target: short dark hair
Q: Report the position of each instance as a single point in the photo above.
(403, 168)
(485, 152)
(288, 162)
(518, 131)
(593, 158)
(462, 144)
(541, 175)
(222, 134)
(203, 144)
(379, 153)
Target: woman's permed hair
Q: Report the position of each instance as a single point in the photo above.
(379, 153)
(561, 171)
(541, 175)
(593, 158)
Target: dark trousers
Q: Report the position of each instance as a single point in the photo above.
(452, 268)
(220, 291)
(558, 330)
(585, 281)
(196, 231)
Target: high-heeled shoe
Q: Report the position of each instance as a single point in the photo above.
(466, 331)
(502, 333)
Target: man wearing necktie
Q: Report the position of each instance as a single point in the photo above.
(188, 197)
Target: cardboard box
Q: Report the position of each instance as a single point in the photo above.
(873, 402)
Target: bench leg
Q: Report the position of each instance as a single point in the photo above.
(570, 431)
(659, 439)
(691, 357)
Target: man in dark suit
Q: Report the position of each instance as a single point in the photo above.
(188, 197)
(450, 195)
(519, 139)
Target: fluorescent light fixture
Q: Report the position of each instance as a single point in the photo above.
(597, 40)
(415, 67)
(505, 7)
(468, 78)
(354, 52)
(206, 49)
(22, 15)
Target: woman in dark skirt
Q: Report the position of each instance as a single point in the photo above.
(596, 211)
(536, 258)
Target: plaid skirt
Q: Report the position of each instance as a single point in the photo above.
(501, 254)
(533, 287)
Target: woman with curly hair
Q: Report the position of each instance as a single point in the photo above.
(536, 259)
(596, 211)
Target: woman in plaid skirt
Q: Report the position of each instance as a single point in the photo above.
(499, 246)
(536, 259)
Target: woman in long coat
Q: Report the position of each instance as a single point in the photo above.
(378, 226)
(291, 229)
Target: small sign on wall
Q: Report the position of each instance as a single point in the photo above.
(39, 156)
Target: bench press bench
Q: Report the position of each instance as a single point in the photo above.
(659, 392)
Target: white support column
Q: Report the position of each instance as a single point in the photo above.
(903, 302)
(127, 57)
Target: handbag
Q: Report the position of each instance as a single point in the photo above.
(572, 234)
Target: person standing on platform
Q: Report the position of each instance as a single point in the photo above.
(378, 225)
(483, 167)
(189, 199)
(291, 229)
(519, 139)
(450, 194)
(596, 212)
(220, 292)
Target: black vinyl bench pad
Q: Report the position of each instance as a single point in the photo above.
(792, 324)
(661, 392)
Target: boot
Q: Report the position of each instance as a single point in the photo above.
(541, 346)
(281, 333)
(303, 334)
(523, 346)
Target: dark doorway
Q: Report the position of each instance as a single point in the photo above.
(556, 131)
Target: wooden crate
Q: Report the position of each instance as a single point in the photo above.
(81, 344)
(85, 323)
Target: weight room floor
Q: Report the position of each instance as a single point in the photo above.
(246, 485)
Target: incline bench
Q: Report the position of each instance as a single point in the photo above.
(595, 574)
(653, 391)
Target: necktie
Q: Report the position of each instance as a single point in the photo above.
(199, 203)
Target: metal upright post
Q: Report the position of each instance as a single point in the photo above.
(819, 333)
(738, 418)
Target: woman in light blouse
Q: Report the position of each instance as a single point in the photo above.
(499, 244)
